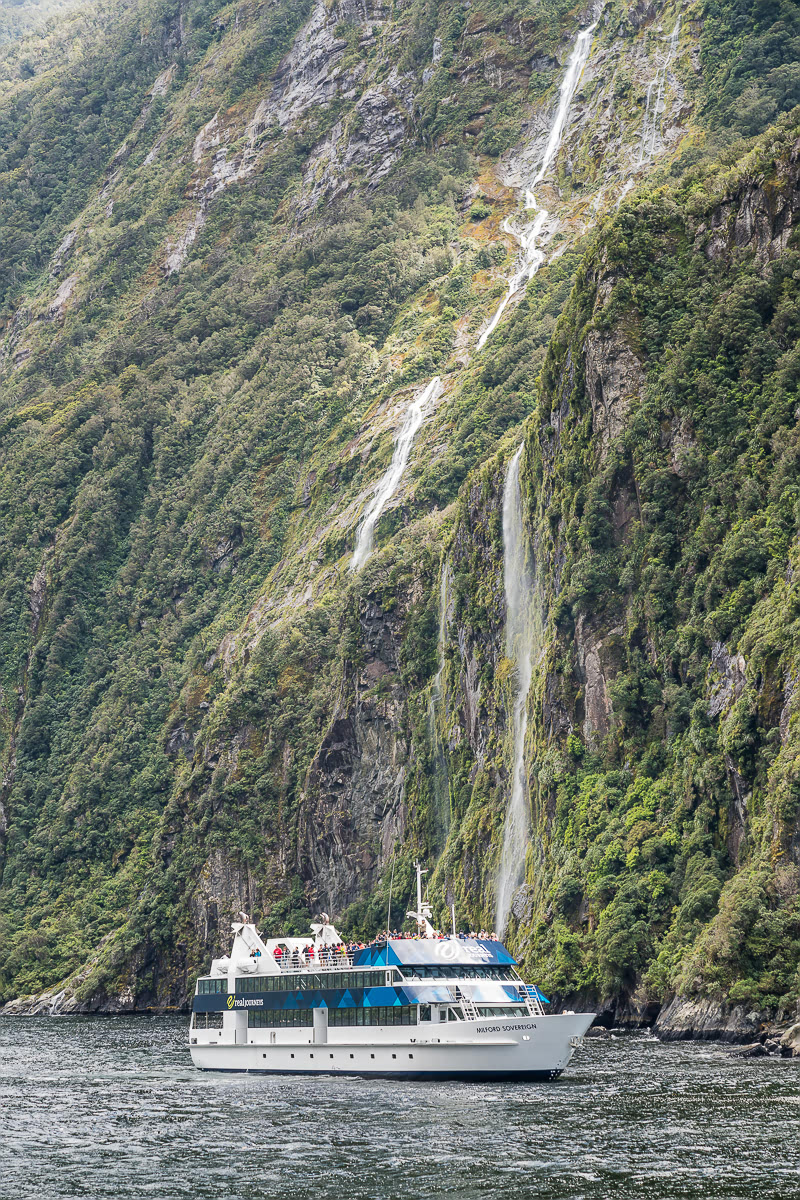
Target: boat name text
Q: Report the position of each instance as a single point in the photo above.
(504, 1028)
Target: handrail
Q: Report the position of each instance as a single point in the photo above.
(335, 962)
(531, 997)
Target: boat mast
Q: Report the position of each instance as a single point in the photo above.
(424, 912)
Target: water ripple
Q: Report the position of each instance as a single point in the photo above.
(111, 1107)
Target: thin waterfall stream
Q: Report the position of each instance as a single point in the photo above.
(524, 642)
(416, 414)
(441, 780)
(532, 255)
(653, 110)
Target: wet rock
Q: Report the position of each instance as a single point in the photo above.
(707, 1020)
(754, 1050)
(790, 1042)
(598, 1031)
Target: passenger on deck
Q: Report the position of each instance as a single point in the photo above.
(277, 954)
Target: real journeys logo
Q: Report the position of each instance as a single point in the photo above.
(461, 949)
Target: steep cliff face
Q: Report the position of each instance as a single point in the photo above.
(275, 227)
(669, 817)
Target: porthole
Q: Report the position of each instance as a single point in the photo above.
(331, 1056)
(394, 1056)
(352, 1056)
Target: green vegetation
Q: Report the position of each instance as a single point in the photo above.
(214, 311)
(681, 538)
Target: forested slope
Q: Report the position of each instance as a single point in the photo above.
(238, 240)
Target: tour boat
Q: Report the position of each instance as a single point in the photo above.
(427, 1007)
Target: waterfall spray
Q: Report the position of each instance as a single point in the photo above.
(524, 640)
(532, 257)
(653, 110)
(391, 480)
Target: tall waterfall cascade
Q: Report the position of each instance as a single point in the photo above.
(530, 236)
(524, 644)
(655, 107)
(388, 485)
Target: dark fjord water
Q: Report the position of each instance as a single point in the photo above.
(111, 1107)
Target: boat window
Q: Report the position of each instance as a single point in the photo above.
(279, 1018)
(493, 972)
(252, 983)
(212, 1020)
(313, 981)
(424, 1012)
(381, 1014)
(212, 987)
(502, 1010)
(452, 1015)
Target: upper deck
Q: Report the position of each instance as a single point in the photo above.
(435, 952)
(398, 973)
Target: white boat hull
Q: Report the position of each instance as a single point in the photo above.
(514, 1049)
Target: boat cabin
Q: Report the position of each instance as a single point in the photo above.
(297, 989)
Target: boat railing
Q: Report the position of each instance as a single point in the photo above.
(335, 961)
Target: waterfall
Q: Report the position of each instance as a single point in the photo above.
(524, 641)
(531, 256)
(441, 780)
(653, 111)
(389, 483)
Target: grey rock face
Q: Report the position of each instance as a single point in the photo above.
(353, 810)
(707, 1020)
(760, 219)
(789, 693)
(727, 679)
(614, 378)
(790, 1042)
(224, 887)
(595, 658)
(754, 1050)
